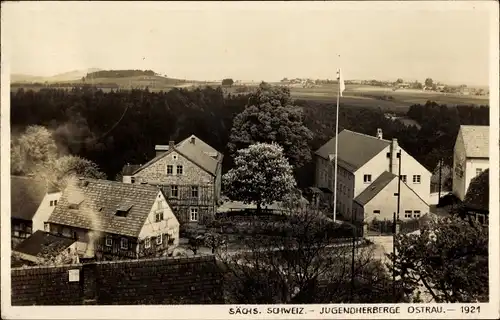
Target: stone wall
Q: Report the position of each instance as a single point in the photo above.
(195, 280)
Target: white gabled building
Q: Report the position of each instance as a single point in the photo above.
(372, 162)
(470, 157)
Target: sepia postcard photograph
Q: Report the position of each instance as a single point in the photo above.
(250, 160)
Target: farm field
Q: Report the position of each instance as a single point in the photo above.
(367, 95)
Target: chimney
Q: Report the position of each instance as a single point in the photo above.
(171, 145)
(394, 165)
(193, 140)
(379, 133)
(160, 149)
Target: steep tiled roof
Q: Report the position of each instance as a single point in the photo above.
(476, 141)
(195, 154)
(192, 153)
(354, 149)
(201, 145)
(26, 195)
(101, 199)
(42, 242)
(373, 189)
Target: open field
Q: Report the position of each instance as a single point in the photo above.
(383, 97)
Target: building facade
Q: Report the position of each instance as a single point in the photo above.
(362, 159)
(190, 175)
(32, 202)
(379, 201)
(470, 157)
(113, 220)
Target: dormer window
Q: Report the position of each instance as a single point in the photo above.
(123, 210)
(75, 200)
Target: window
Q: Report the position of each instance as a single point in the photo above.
(367, 178)
(376, 211)
(22, 226)
(194, 192)
(179, 169)
(147, 242)
(159, 239)
(46, 227)
(193, 214)
(174, 191)
(407, 213)
(159, 216)
(132, 180)
(416, 214)
(170, 169)
(55, 202)
(124, 243)
(478, 171)
(403, 177)
(51, 203)
(109, 241)
(416, 178)
(388, 155)
(174, 157)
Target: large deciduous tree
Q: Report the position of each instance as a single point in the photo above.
(271, 116)
(448, 260)
(35, 146)
(35, 152)
(262, 175)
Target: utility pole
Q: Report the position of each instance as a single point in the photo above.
(440, 182)
(395, 229)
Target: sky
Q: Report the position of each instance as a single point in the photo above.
(253, 41)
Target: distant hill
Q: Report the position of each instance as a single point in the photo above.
(119, 79)
(120, 73)
(62, 77)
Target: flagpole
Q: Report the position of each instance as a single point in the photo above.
(336, 150)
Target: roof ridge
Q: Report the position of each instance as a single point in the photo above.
(366, 135)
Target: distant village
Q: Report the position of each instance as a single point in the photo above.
(394, 85)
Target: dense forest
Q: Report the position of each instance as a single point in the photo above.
(120, 127)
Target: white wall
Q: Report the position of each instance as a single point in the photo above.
(386, 202)
(44, 211)
(470, 170)
(409, 167)
(468, 165)
(169, 224)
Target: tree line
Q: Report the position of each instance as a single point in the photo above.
(119, 127)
